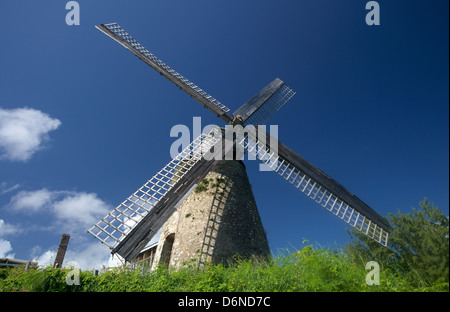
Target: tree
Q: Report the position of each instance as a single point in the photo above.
(418, 245)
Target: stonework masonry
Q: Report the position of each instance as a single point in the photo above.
(218, 221)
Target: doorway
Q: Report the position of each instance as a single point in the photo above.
(166, 251)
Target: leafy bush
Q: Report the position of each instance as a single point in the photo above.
(418, 247)
(310, 269)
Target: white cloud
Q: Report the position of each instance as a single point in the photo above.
(88, 256)
(5, 247)
(92, 255)
(23, 131)
(74, 209)
(66, 212)
(82, 208)
(5, 188)
(46, 259)
(8, 229)
(31, 201)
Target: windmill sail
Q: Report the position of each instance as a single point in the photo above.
(122, 229)
(317, 185)
(118, 34)
(132, 244)
(264, 104)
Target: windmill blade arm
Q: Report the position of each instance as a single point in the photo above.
(317, 185)
(264, 104)
(120, 222)
(118, 34)
(130, 247)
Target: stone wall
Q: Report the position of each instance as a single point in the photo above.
(216, 222)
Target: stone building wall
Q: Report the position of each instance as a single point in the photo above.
(216, 222)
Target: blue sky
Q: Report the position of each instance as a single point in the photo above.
(84, 123)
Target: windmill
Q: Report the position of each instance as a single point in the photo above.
(129, 227)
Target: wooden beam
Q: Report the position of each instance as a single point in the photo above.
(61, 251)
(132, 244)
(326, 181)
(249, 107)
(179, 83)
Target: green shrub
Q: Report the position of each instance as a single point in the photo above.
(307, 270)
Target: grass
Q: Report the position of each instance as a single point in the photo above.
(307, 270)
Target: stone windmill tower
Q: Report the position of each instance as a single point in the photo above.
(216, 222)
(203, 204)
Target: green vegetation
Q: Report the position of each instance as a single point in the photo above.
(207, 183)
(310, 269)
(203, 186)
(418, 246)
(416, 261)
